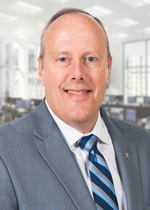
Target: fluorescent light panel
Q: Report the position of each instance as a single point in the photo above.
(127, 22)
(136, 3)
(98, 11)
(147, 30)
(63, 1)
(7, 18)
(23, 33)
(60, 1)
(119, 36)
(25, 8)
(40, 25)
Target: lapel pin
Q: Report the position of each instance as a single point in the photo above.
(127, 155)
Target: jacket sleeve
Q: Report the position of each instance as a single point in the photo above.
(8, 198)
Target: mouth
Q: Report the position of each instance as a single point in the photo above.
(78, 92)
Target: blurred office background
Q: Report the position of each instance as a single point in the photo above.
(127, 23)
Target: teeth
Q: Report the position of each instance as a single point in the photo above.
(74, 92)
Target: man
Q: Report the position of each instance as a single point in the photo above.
(42, 166)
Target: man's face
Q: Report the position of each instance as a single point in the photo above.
(75, 69)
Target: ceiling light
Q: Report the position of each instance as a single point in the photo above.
(98, 11)
(127, 22)
(63, 1)
(147, 30)
(25, 8)
(120, 36)
(136, 3)
(23, 34)
(40, 25)
(6, 18)
(60, 1)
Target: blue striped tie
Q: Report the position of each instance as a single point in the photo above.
(101, 179)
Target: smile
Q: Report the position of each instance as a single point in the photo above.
(77, 92)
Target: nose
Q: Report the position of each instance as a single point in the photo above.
(77, 71)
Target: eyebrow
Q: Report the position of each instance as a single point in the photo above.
(56, 53)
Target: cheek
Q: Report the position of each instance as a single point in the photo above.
(54, 78)
(101, 81)
(101, 77)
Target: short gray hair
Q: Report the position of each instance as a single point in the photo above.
(67, 11)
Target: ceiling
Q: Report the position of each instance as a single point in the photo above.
(124, 20)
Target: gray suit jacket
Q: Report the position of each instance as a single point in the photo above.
(38, 171)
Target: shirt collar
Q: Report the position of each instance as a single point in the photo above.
(72, 135)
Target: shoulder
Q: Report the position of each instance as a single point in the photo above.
(131, 132)
(137, 138)
(16, 134)
(17, 126)
(130, 129)
(22, 124)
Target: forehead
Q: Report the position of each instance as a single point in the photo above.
(74, 19)
(75, 23)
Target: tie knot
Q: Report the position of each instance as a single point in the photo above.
(88, 143)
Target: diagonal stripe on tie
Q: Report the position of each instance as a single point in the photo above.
(103, 186)
(102, 201)
(101, 182)
(101, 179)
(103, 193)
(101, 166)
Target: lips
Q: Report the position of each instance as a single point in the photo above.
(78, 92)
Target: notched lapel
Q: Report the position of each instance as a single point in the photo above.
(52, 147)
(130, 176)
(127, 161)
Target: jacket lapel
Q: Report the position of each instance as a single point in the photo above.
(54, 150)
(127, 161)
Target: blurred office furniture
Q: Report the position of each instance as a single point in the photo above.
(113, 99)
(35, 102)
(136, 110)
(117, 112)
(13, 108)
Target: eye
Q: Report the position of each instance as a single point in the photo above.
(91, 59)
(63, 59)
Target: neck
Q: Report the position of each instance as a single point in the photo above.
(84, 127)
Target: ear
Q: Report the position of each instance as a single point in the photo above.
(109, 70)
(41, 72)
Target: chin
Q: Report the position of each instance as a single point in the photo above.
(81, 117)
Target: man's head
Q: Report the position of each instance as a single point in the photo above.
(74, 67)
(67, 11)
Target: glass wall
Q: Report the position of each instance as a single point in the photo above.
(136, 69)
(148, 73)
(19, 70)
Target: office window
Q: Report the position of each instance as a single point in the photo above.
(148, 72)
(19, 70)
(137, 69)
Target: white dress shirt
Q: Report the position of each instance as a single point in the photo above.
(105, 146)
